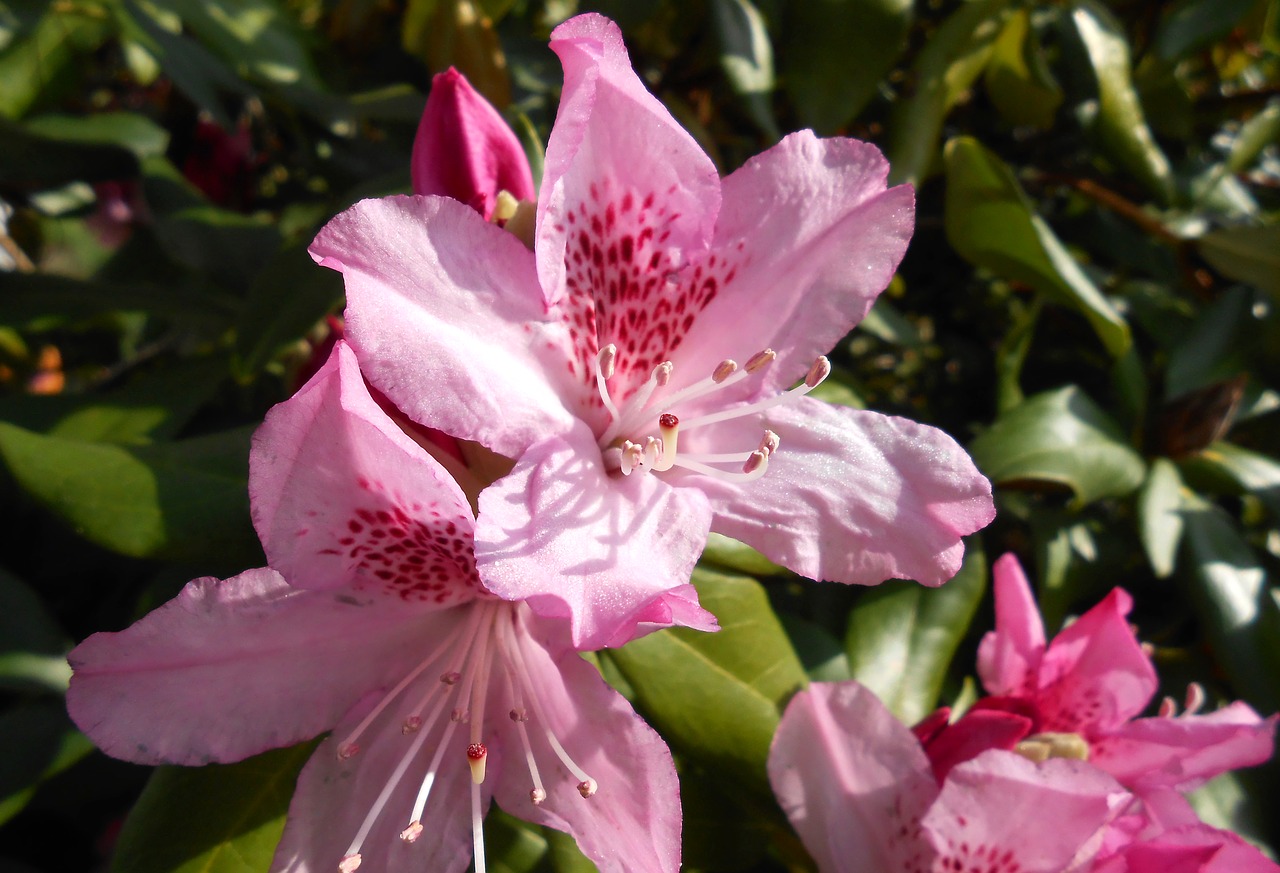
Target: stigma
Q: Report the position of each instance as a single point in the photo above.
(643, 434)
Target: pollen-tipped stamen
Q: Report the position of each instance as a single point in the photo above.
(477, 828)
(820, 369)
(605, 362)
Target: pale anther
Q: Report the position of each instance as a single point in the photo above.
(518, 715)
(820, 370)
(505, 206)
(536, 796)
(450, 678)
(653, 451)
(1195, 698)
(760, 360)
(411, 724)
(477, 754)
(412, 832)
(724, 370)
(350, 863)
(607, 360)
(755, 461)
(348, 750)
(1168, 708)
(769, 442)
(587, 787)
(662, 373)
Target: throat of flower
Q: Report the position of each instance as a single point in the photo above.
(643, 433)
(481, 654)
(1041, 747)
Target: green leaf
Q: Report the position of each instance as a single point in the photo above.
(1246, 254)
(1230, 469)
(1241, 617)
(285, 300)
(1214, 347)
(38, 66)
(947, 66)
(128, 130)
(40, 742)
(181, 500)
(1159, 516)
(32, 647)
(1017, 78)
(1224, 802)
(214, 819)
(835, 54)
(746, 56)
(35, 301)
(256, 37)
(512, 845)
(1119, 124)
(902, 636)
(1062, 437)
(733, 555)
(1190, 24)
(884, 321)
(990, 222)
(822, 655)
(33, 161)
(721, 833)
(717, 697)
(229, 247)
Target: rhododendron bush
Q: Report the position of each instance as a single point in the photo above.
(730, 436)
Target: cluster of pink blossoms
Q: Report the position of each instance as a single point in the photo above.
(539, 409)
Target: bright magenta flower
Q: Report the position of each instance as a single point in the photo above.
(637, 365)
(859, 790)
(372, 624)
(1092, 681)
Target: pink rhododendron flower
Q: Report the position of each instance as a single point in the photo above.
(465, 150)
(637, 365)
(859, 790)
(1088, 685)
(439, 696)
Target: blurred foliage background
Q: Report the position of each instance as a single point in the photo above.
(1089, 303)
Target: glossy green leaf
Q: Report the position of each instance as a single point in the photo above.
(822, 655)
(1061, 437)
(1246, 254)
(1017, 78)
(1226, 468)
(717, 697)
(947, 66)
(1189, 24)
(214, 819)
(36, 300)
(285, 301)
(1212, 349)
(1120, 125)
(1159, 515)
(32, 161)
(883, 320)
(733, 555)
(992, 224)
(257, 38)
(512, 845)
(41, 59)
(40, 742)
(746, 56)
(835, 54)
(1241, 617)
(902, 637)
(183, 499)
(32, 646)
(128, 130)
(1225, 802)
(226, 246)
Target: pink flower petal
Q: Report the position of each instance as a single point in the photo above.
(341, 496)
(465, 150)
(632, 822)
(445, 313)
(979, 730)
(1009, 656)
(852, 496)
(811, 237)
(575, 543)
(233, 668)
(1094, 676)
(613, 139)
(1002, 812)
(852, 779)
(1186, 751)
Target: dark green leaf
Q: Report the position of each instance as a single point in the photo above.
(746, 56)
(992, 224)
(733, 555)
(214, 819)
(512, 845)
(131, 131)
(1213, 349)
(720, 832)
(255, 37)
(230, 247)
(33, 67)
(1062, 437)
(285, 301)
(32, 161)
(822, 655)
(1230, 469)
(1119, 124)
(181, 499)
(945, 69)
(836, 53)
(40, 742)
(1237, 607)
(717, 697)
(902, 636)
(37, 300)
(1018, 79)
(1246, 254)
(1189, 24)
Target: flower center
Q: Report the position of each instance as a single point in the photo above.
(1041, 747)
(482, 650)
(643, 434)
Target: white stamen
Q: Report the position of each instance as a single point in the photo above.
(350, 863)
(724, 370)
(632, 457)
(769, 443)
(604, 371)
(756, 463)
(760, 360)
(659, 378)
(411, 725)
(1168, 708)
(412, 832)
(520, 716)
(477, 827)
(819, 371)
(653, 453)
(429, 780)
(1195, 698)
(752, 470)
(669, 428)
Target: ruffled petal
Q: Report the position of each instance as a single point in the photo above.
(1186, 751)
(851, 496)
(808, 238)
(446, 317)
(979, 730)
(1094, 675)
(1009, 656)
(852, 779)
(632, 822)
(611, 140)
(605, 552)
(228, 669)
(341, 496)
(1001, 809)
(465, 150)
